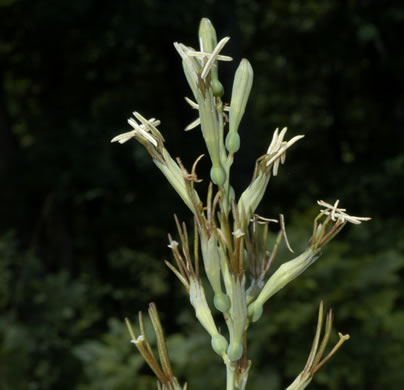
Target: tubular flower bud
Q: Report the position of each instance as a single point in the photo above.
(210, 131)
(238, 312)
(202, 311)
(204, 315)
(281, 277)
(240, 93)
(207, 36)
(211, 261)
(251, 197)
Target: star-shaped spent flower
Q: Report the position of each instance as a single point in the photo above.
(329, 222)
(198, 64)
(208, 59)
(144, 130)
(340, 214)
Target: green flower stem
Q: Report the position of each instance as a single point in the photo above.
(219, 112)
(230, 376)
(227, 198)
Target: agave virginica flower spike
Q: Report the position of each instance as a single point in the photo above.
(232, 251)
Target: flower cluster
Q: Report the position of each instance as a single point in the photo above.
(226, 234)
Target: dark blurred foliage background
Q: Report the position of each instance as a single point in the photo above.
(83, 223)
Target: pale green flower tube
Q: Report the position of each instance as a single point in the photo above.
(241, 91)
(281, 277)
(238, 312)
(210, 131)
(211, 261)
(251, 197)
(204, 316)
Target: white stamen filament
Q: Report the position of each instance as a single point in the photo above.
(213, 57)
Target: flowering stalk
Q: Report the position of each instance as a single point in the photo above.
(226, 226)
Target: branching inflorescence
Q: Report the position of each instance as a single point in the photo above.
(225, 232)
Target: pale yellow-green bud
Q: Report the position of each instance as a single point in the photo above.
(221, 302)
(255, 311)
(235, 351)
(218, 175)
(232, 142)
(219, 344)
(241, 90)
(207, 36)
(217, 88)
